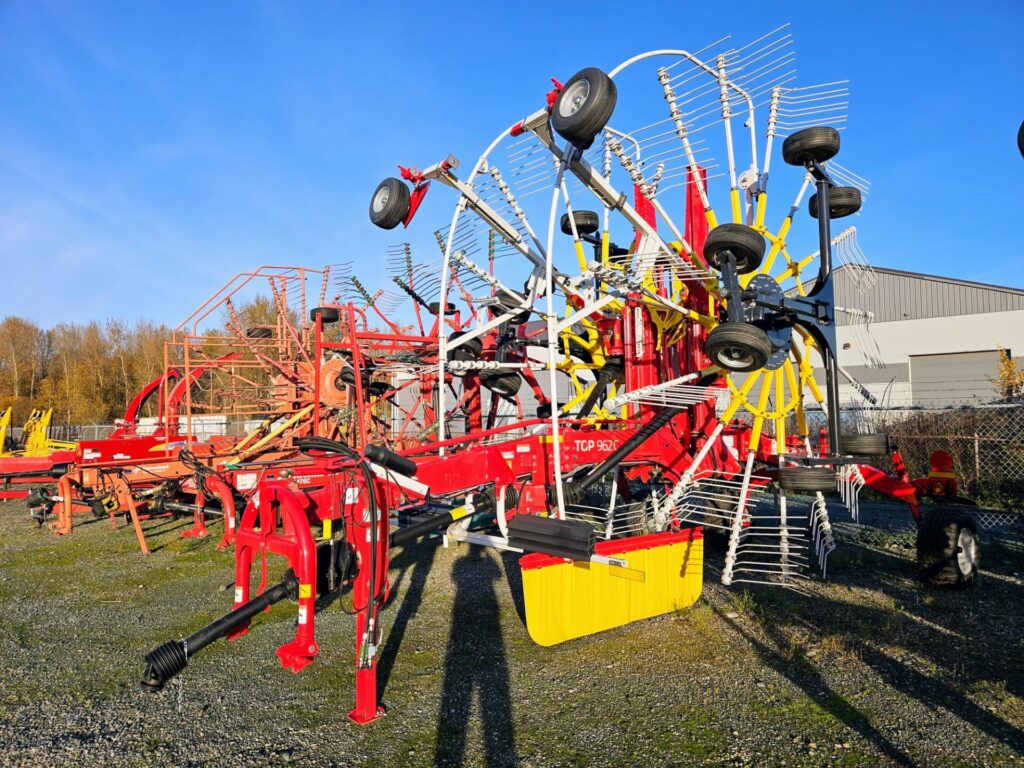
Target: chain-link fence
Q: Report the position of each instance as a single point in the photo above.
(890, 526)
(67, 432)
(985, 443)
(74, 433)
(203, 427)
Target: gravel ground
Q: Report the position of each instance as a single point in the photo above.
(869, 668)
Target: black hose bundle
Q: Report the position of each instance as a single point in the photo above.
(199, 470)
(192, 461)
(325, 444)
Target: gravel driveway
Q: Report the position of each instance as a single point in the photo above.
(869, 668)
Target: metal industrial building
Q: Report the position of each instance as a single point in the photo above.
(938, 337)
(931, 341)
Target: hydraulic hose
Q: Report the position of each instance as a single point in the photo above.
(575, 488)
(611, 369)
(336, 446)
(423, 527)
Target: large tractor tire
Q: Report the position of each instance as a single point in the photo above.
(948, 548)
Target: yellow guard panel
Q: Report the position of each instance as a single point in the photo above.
(570, 599)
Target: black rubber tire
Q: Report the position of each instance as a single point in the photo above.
(259, 333)
(327, 315)
(435, 306)
(502, 382)
(378, 388)
(938, 548)
(518, 319)
(390, 203)
(865, 444)
(810, 479)
(469, 351)
(738, 347)
(619, 255)
(722, 509)
(745, 243)
(1020, 139)
(584, 106)
(819, 144)
(347, 377)
(842, 201)
(587, 222)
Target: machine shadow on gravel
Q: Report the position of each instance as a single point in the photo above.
(416, 561)
(860, 628)
(806, 676)
(955, 611)
(475, 661)
(514, 576)
(159, 530)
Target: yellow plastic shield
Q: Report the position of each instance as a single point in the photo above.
(567, 599)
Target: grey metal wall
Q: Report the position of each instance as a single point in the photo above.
(910, 296)
(953, 378)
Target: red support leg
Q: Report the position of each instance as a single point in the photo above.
(368, 708)
(300, 652)
(243, 564)
(227, 503)
(198, 529)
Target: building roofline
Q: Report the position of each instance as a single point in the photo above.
(941, 279)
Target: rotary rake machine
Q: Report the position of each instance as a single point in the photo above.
(673, 365)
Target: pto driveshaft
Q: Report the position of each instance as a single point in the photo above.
(167, 660)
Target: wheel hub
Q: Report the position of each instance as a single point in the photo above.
(735, 357)
(965, 551)
(574, 98)
(767, 292)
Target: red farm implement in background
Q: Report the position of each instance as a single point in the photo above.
(267, 382)
(42, 461)
(234, 391)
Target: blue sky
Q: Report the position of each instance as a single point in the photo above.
(150, 151)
